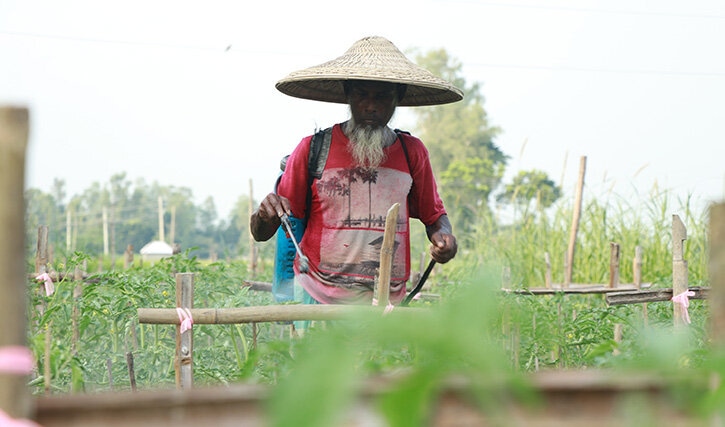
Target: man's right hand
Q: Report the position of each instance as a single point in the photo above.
(265, 221)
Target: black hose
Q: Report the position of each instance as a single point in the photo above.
(419, 286)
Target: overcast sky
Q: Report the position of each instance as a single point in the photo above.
(182, 93)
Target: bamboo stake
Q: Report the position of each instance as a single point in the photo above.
(637, 267)
(716, 267)
(386, 255)
(252, 266)
(185, 341)
(109, 368)
(613, 265)
(14, 396)
(547, 276)
(576, 215)
(679, 266)
(131, 370)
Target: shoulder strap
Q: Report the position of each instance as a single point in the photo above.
(319, 150)
(405, 149)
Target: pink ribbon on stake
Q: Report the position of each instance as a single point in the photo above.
(185, 319)
(16, 360)
(388, 308)
(49, 287)
(7, 421)
(684, 302)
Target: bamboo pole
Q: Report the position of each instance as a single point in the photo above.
(576, 215)
(637, 267)
(547, 275)
(679, 267)
(266, 313)
(654, 295)
(613, 265)
(252, 266)
(716, 267)
(386, 255)
(185, 341)
(14, 396)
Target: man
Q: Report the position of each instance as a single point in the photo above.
(369, 168)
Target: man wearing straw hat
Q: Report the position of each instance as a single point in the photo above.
(369, 167)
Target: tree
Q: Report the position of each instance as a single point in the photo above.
(459, 138)
(530, 186)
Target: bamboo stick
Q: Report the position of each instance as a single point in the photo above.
(14, 396)
(266, 313)
(716, 267)
(184, 341)
(613, 265)
(654, 295)
(386, 255)
(576, 215)
(679, 267)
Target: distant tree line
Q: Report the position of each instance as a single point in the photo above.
(107, 217)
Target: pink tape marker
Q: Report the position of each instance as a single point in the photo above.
(16, 359)
(7, 421)
(49, 287)
(684, 302)
(185, 318)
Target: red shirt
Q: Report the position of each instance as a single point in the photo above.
(346, 223)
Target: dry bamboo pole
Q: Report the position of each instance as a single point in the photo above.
(576, 215)
(547, 276)
(252, 266)
(679, 267)
(266, 313)
(637, 267)
(131, 370)
(128, 257)
(41, 266)
(716, 267)
(185, 341)
(14, 396)
(75, 314)
(613, 265)
(386, 256)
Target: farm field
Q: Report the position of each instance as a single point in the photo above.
(84, 341)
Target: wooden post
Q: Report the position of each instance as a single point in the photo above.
(613, 265)
(14, 396)
(679, 266)
(162, 235)
(128, 258)
(41, 266)
(617, 337)
(576, 215)
(252, 266)
(75, 313)
(185, 341)
(547, 275)
(386, 255)
(716, 267)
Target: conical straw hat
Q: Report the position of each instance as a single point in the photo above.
(371, 58)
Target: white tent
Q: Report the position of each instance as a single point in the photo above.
(155, 250)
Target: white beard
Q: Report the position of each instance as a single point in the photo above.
(367, 143)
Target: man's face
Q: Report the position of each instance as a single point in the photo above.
(372, 103)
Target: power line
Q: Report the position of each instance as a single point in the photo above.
(588, 10)
(599, 70)
(120, 42)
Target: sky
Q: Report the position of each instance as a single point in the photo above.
(182, 92)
